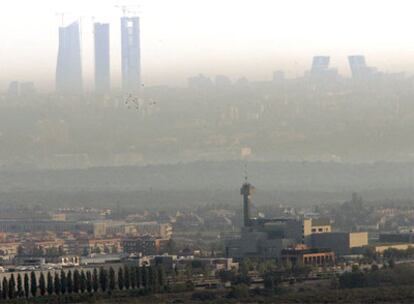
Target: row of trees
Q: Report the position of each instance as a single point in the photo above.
(150, 279)
(393, 275)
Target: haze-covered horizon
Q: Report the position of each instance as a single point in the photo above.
(237, 38)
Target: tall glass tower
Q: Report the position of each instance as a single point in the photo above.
(131, 55)
(69, 66)
(102, 59)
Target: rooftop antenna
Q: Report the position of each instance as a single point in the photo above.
(128, 9)
(62, 17)
(245, 173)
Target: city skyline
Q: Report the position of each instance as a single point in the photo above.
(189, 46)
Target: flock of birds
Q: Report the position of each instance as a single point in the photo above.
(137, 103)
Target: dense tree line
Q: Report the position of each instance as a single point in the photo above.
(395, 275)
(399, 254)
(149, 279)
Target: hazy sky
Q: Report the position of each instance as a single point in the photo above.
(235, 37)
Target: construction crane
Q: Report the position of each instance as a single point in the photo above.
(128, 9)
(62, 17)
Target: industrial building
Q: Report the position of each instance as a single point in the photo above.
(266, 238)
(302, 255)
(308, 239)
(396, 237)
(342, 243)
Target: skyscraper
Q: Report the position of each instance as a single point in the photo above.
(359, 68)
(131, 55)
(357, 64)
(320, 64)
(102, 59)
(69, 67)
(320, 69)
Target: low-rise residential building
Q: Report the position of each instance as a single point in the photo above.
(380, 248)
(145, 245)
(155, 229)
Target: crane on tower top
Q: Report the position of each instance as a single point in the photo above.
(128, 9)
(62, 17)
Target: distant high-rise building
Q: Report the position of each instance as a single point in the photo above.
(320, 68)
(222, 81)
(19, 89)
(278, 76)
(131, 55)
(69, 67)
(199, 82)
(359, 68)
(320, 64)
(27, 88)
(14, 89)
(102, 59)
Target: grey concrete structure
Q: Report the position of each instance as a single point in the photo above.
(263, 238)
(342, 243)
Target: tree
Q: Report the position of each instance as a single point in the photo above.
(271, 280)
(106, 250)
(153, 280)
(127, 281)
(56, 284)
(85, 251)
(103, 279)
(61, 251)
(95, 280)
(42, 284)
(69, 282)
(240, 291)
(171, 247)
(12, 287)
(145, 277)
(189, 270)
(161, 276)
(50, 287)
(26, 285)
(96, 249)
(63, 282)
(120, 279)
(33, 284)
(245, 266)
(19, 286)
(20, 250)
(354, 279)
(226, 276)
(89, 281)
(138, 277)
(111, 279)
(76, 281)
(5, 288)
(82, 282)
(133, 277)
